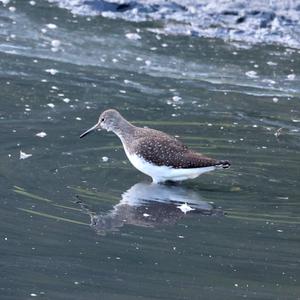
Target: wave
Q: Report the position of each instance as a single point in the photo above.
(256, 21)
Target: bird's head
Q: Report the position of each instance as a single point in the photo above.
(108, 120)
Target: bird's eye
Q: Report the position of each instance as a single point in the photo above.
(102, 120)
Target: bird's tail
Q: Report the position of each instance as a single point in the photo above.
(223, 164)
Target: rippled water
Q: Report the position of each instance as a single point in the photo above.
(79, 222)
(255, 21)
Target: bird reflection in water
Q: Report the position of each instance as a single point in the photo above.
(151, 205)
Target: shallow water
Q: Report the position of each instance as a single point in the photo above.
(75, 226)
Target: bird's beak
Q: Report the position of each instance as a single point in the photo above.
(97, 126)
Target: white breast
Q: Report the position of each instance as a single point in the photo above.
(163, 173)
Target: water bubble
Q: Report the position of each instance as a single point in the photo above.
(252, 74)
(291, 77)
(51, 26)
(133, 36)
(104, 158)
(41, 134)
(55, 43)
(24, 155)
(51, 71)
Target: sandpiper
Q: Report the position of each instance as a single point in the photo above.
(156, 153)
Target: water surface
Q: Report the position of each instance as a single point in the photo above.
(75, 225)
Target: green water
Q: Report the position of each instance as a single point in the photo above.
(67, 231)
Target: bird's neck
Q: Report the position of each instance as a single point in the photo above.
(124, 130)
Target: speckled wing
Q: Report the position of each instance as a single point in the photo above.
(167, 151)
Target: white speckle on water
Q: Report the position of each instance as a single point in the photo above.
(78, 119)
(139, 59)
(5, 238)
(252, 74)
(114, 60)
(33, 295)
(32, 2)
(279, 230)
(118, 258)
(24, 155)
(185, 208)
(51, 26)
(295, 120)
(275, 99)
(164, 45)
(291, 77)
(41, 134)
(153, 48)
(133, 36)
(51, 105)
(236, 285)
(51, 71)
(176, 98)
(5, 2)
(43, 30)
(54, 87)
(282, 198)
(147, 62)
(12, 9)
(278, 132)
(76, 282)
(146, 215)
(254, 126)
(104, 158)
(271, 63)
(122, 91)
(55, 43)
(66, 100)
(181, 236)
